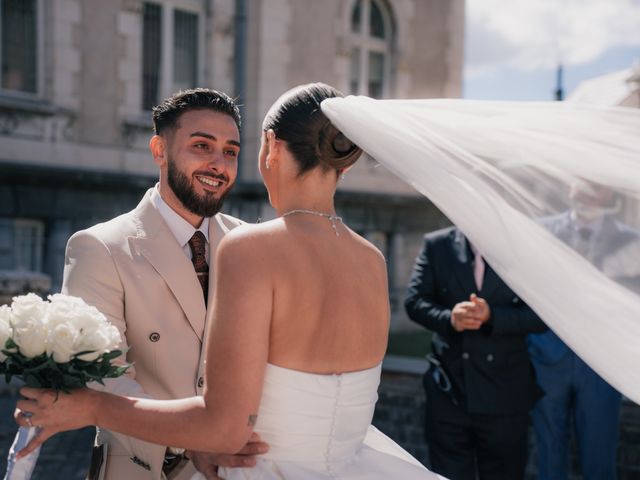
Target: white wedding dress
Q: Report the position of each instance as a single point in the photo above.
(318, 427)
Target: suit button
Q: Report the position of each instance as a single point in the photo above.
(200, 382)
(465, 356)
(515, 300)
(154, 337)
(489, 358)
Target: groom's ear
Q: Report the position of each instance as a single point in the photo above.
(158, 148)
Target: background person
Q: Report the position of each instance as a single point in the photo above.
(480, 385)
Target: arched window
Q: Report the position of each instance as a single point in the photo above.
(370, 48)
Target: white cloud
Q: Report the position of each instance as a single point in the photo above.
(531, 34)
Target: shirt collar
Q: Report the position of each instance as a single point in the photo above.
(181, 229)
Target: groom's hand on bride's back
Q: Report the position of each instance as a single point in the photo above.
(208, 463)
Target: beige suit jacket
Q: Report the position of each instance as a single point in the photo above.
(134, 271)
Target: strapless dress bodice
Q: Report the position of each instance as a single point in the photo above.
(319, 427)
(316, 418)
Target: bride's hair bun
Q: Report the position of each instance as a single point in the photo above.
(334, 149)
(297, 119)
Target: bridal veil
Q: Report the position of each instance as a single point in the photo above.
(504, 172)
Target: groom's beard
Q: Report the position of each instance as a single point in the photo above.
(206, 205)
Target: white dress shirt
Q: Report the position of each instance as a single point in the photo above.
(181, 229)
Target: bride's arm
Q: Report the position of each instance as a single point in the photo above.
(238, 346)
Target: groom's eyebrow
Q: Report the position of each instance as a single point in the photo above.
(205, 135)
(213, 137)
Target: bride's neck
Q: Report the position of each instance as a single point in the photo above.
(307, 195)
(316, 205)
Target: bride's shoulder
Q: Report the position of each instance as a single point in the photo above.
(368, 248)
(244, 232)
(247, 239)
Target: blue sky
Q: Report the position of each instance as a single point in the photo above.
(512, 47)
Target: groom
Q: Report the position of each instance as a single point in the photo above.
(150, 271)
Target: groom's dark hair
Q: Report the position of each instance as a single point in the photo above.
(167, 114)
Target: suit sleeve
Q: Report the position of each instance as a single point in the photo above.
(90, 273)
(421, 304)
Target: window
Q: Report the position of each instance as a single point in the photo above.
(152, 53)
(185, 50)
(28, 245)
(170, 50)
(371, 48)
(18, 45)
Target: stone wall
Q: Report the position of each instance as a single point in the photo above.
(400, 414)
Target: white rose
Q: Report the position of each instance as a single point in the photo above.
(31, 337)
(28, 306)
(61, 307)
(74, 311)
(113, 334)
(5, 329)
(92, 319)
(29, 323)
(61, 342)
(95, 342)
(94, 333)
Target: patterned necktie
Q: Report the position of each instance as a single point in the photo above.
(199, 260)
(478, 266)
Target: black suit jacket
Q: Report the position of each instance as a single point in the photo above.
(489, 367)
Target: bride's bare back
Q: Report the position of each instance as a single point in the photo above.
(330, 309)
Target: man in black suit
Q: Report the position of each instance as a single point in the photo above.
(480, 385)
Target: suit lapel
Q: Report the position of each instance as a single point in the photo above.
(490, 283)
(156, 243)
(462, 267)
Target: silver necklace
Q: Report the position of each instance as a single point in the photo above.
(332, 218)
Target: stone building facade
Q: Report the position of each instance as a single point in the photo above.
(79, 78)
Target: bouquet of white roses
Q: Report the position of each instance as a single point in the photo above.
(60, 344)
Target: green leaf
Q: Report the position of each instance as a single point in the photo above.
(112, 354)
(32, 381)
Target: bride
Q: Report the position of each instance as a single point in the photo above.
(300, 324)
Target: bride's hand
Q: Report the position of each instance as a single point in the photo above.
(52, 412)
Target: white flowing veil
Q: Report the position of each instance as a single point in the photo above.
(502, 172)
